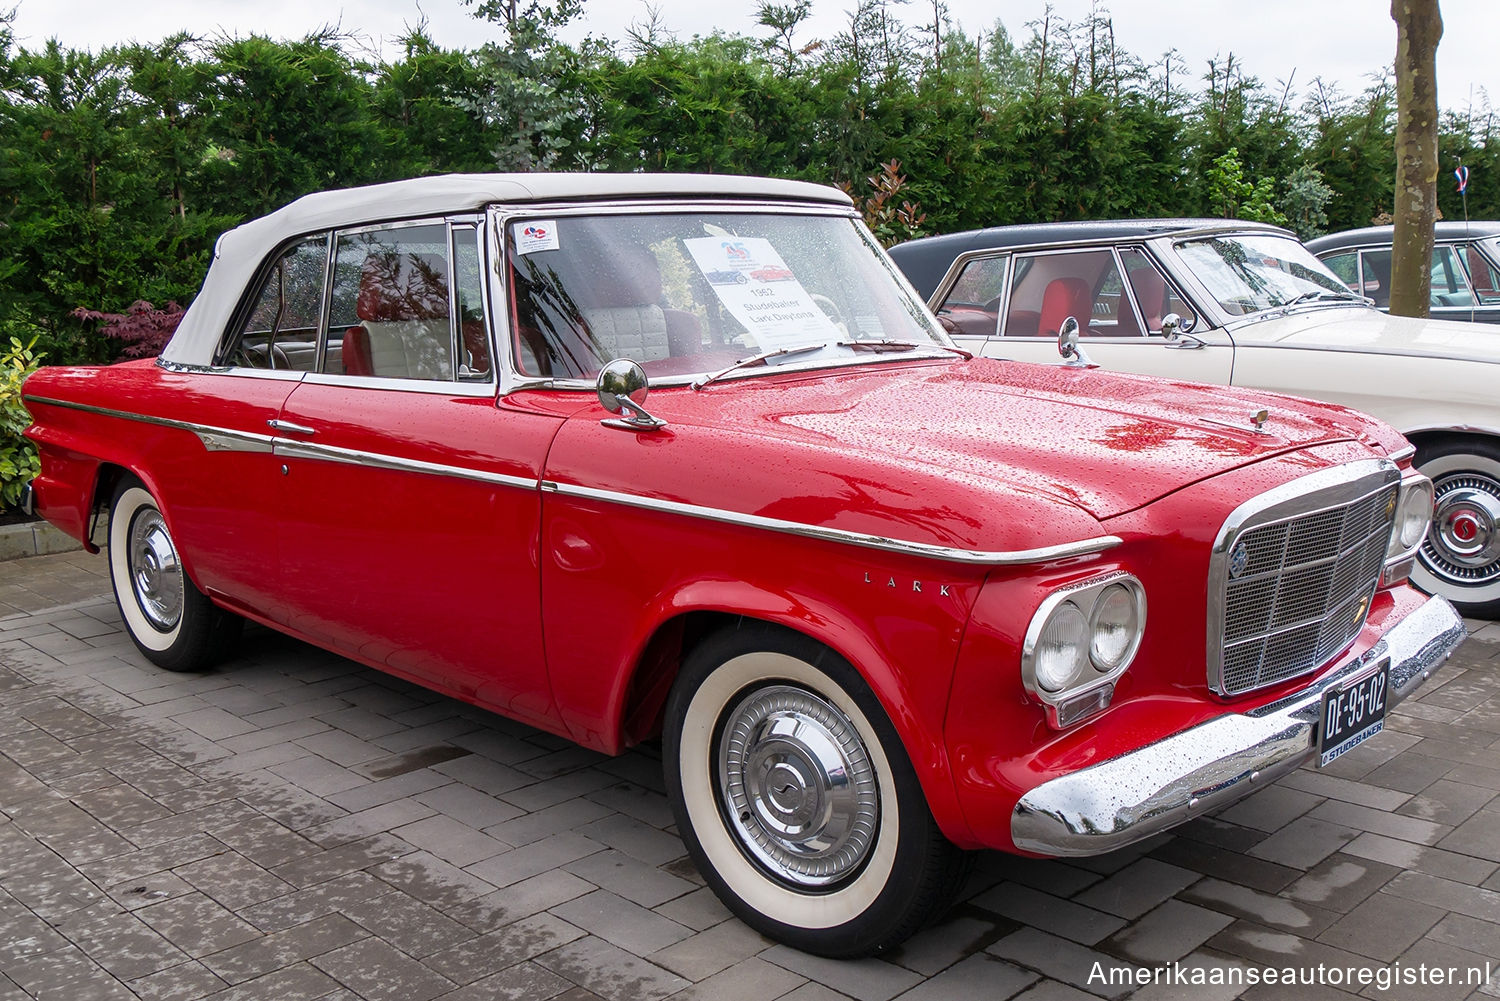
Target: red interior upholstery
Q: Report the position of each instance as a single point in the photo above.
(356, 352)
(1066, 297)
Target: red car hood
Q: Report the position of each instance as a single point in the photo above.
(1105, 442)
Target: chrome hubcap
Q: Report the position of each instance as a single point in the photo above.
(797, 786)
(155, 573)
(1463, 546)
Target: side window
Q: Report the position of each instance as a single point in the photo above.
(390, 315)
(473, 339)
(972, 306)
(1375, 276)
(1483, 275)
(1084, 284)
(1346, 267)
(1153, 294)
(1449, 285)
(281, 331)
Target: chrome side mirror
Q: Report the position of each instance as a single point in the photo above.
(1174, 330)
(622, 390)
(1069, 348)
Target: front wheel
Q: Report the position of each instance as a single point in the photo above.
(1460, 558)
(796, 798)
(170, 621)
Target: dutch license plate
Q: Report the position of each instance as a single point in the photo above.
(1352, 714)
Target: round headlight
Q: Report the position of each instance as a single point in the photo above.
(1114, 627)
(1415, 513)
(1061, 648)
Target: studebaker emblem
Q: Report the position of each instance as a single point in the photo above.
(1239, 560)
(916, 585)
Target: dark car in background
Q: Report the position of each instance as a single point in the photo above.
(1465, 267)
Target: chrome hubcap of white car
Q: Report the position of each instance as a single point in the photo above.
(1463, 545)
(155, 572)
(796, 786)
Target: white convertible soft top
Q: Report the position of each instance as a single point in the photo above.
(240, 251)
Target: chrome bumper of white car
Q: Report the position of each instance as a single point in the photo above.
(1131, 797)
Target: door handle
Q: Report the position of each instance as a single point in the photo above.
(280, 425)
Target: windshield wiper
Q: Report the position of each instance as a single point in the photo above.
(886, 344)
(761, 358)
(1326, 295)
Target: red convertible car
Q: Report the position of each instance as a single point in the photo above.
(882, 602)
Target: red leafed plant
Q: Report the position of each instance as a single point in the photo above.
(143, 329)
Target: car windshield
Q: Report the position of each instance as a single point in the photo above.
(1249, 273)
(691, 293)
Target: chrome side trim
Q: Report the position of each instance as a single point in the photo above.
(27, 503)
(1402, 454)
(945, 553)
(214, 439)
(1126, 799)
(372, 460)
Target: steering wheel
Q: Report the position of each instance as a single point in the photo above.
(830, 309)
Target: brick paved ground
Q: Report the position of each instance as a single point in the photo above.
(293, 826)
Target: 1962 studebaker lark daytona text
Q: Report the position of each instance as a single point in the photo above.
(883, 603)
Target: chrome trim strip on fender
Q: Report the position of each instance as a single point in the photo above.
(945, 553)
(373, 460)
(1125, 799)
(1402, 454)
(215, 439)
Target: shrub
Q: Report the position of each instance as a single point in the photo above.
(143, 329)
(18, 461)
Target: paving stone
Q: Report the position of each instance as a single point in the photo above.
(1137, 888)
(540, 795)
(1468, 971)
(1268, 947)
(1432, 861)
(636, 839)
(1382, 927)
(284, 948)
(747, 980)
(450, 840)
(634, 880)
(1264, 908)
(534, 858)
(1167, 933)
(611, 973)
(325, 865)
(1470, 934)
(378, 972)
(469, 806)
(482, 956)
(184, 982)
(233, 880)
(709, 952)
(407, 923)
(1447, 894)
(1340, 882)
(522, 982)
(1062, 960)
(387, 790)
(431, 880)
(264, 841)
(1049, 913)
(197, 925)
(621, 923)
(520, 900)
(572, 815)
(646, 804)
(1307, 840)
(315, 901)
(1204, 977)
(1272, 808)
(1231, 866)
(168, 855)
(301, 982)
(1052, 990)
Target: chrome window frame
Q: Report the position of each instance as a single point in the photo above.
(1307, 495)
(502, 215)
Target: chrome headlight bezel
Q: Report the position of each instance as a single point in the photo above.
(1409, 525)
(1089, 686)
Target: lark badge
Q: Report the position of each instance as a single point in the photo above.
(909, 585)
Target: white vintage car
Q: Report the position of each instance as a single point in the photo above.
(1244, 304)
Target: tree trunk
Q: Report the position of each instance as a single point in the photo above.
(1419, 26)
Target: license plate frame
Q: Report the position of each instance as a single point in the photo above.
(1352, 713)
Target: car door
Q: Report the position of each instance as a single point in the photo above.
(1118, 296)
(409, 503)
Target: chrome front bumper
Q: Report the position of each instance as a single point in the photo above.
(1125, 799)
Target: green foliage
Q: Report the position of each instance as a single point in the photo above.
(118, 169)
(18, 459)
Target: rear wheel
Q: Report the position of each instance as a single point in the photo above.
(1460, 558)
(170, 621)
(796, 798)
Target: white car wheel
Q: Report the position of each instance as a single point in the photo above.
(1460, 558)
(170, 621)
(797, 801)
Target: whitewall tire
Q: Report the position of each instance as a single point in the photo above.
(170, 621)
(1460, 558)
(796, 798)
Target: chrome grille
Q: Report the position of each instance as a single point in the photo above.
(1310, 567)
